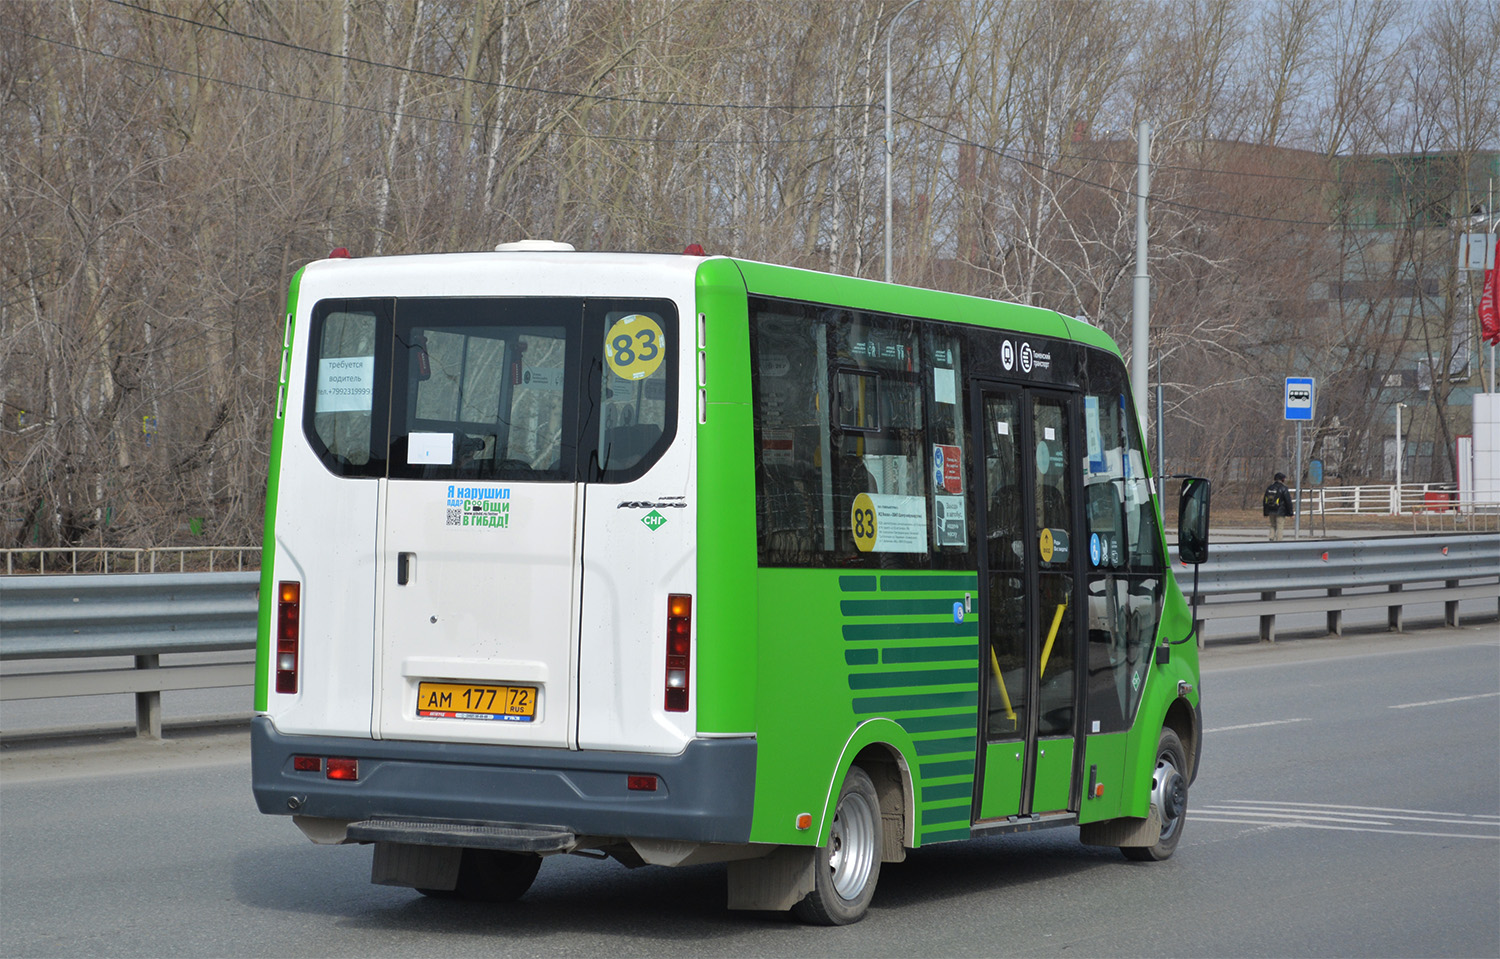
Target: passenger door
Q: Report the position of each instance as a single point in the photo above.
(1030, 597)
(479, 534)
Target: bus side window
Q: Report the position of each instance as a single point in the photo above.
(342, 391)
(634, 388)
(795, 488)
(949, 451)
(840, 421)
(1123, 553)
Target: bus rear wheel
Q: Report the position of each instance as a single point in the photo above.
(1169, 788)
(491, 875)
(845, 868)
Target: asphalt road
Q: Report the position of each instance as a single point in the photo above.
(1349, 804)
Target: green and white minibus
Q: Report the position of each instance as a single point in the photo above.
(687, 559)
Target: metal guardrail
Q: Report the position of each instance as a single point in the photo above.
(145, 616)
(126, 559)
(1332, 576)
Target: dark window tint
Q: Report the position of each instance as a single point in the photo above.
(486, 389)
(861, 454)
(539, 388)
(344, 418)
(1122, 545)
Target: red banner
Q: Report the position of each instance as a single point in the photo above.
(1489, 307)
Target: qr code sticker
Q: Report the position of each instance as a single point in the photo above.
(454, 517)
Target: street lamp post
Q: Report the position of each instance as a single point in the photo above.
(889, 146)
(1399, 444)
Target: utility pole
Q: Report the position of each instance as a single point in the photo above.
(1140, 340)
(889, 143)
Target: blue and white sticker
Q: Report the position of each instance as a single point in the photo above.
(1096, 549)
(958, 612)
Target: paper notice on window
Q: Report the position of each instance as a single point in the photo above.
(543, 378)
(777, 447)
(429, 449)
(884, 523)
(346, 384)
(944, 386)
(950, 527)
(1094, 434)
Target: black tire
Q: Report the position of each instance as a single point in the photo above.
(846, 868)
(490, 875)
(1169, 794)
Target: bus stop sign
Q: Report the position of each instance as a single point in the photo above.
(1299, 398)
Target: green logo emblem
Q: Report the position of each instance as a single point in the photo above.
(653, 520)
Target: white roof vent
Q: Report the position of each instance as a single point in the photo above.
(534, 246)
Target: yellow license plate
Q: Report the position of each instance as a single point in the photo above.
(514, 704)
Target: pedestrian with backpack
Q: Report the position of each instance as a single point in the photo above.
(1277, 505)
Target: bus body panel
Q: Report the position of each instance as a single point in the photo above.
(639, 547)
(325, 538)
(727, 682)
(486, 603)
(896, 654)
(267, 599)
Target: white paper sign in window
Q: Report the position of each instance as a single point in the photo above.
(884, 523)
(429, 449)
(345, 384)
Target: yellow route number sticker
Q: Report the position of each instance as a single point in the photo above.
(634, 347)
(1047, 546)
(863, 518)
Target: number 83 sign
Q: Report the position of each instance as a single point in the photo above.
(889, 524)
(633, 347)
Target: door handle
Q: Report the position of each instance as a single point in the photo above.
(403, 567)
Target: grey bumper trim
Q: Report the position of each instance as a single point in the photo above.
(706, 793)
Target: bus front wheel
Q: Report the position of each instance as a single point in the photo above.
(1169, 788)
(846, 867)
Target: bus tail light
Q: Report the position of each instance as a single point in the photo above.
(679, 649)
(288, 635)
(342, 768)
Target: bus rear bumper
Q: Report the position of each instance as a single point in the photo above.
(703, 794)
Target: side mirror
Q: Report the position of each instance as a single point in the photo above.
(1192, 521)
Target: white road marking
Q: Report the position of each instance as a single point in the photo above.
(1345, 818)
(1272, 722)
(1441, 702)
(1388, 832)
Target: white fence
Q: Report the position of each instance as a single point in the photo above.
(1432, 500)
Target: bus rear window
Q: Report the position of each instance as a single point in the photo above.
(498, 388)
(633, 393)
(343, 415)
(481, 389)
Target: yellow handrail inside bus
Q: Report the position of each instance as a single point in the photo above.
(1000, 681)
(1051, 635)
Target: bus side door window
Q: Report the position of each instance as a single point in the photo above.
(1123, 556)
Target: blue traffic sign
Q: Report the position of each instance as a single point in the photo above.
(1299, 398)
